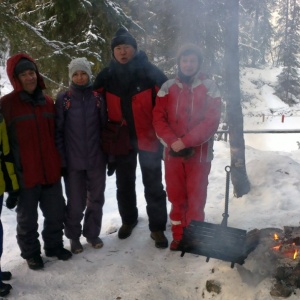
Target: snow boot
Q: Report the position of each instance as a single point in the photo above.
(175, 245)
(76, 246)
(4, 289)
(60, 252)
(126, 230)
(6, 275)
(35, 262)
(160, 239)
(96, 243)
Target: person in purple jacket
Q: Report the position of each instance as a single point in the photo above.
(80, 117)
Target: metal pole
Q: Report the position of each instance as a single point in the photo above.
(266, 131)
(225, 214)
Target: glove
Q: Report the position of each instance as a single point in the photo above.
(111, 168)
(12, 199)
(64, 172)
(186, 153)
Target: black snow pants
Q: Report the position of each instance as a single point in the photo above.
(150, 163)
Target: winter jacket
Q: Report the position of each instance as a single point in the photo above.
(30, 127)
(130, 92)
(78, 128)
(8, 178)
(190, 112)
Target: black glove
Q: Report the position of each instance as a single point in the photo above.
(64, 172)
(111, 168)
(12, 199)
(186, 153)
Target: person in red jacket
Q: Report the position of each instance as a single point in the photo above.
(185, 118)
(30, 118)
(129, 85)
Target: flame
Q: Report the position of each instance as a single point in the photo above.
(277, 247)
(295, 254)
(276, 237)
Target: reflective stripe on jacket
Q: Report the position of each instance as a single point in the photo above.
(8, 179)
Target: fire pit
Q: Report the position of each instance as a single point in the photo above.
(275, 254)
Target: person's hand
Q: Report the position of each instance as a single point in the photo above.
(64, 172)
(111, 168)
(12, 199)
(178, 145)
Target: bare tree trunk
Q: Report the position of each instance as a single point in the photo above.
(234, 111)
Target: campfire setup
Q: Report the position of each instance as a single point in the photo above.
(270, 252)
(216, 241)
(275, 254)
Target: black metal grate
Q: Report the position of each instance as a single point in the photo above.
(215, 241)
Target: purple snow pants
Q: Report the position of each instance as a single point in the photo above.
(85, 193)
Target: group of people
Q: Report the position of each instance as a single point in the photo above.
(171, 120)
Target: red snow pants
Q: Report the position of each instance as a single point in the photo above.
(186, 185)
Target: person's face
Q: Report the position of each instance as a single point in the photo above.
(80, 78)
(124, 53)
(189, 64)
(28, 81)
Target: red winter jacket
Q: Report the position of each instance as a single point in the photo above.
(133, 102)
(190, 112)
(31, 132)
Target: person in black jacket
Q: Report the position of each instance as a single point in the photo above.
(129, 85)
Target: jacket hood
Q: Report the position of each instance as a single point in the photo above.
(10, 67)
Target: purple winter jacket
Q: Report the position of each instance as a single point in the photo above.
(78, 128)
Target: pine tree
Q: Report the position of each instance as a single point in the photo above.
(55, 31)
(256, 31)
(288, 88)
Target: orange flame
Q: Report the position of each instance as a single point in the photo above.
(295, 254)
(276, 237)
(277, 247)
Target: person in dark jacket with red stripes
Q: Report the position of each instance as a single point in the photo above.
(30, 118)
(129, 85)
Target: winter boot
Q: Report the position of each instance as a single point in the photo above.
(4, 289)
(35, 262)
(6, 275)
(175, 245)
(160, 239)
(76, 246)
(96, 243)
(60, 252)
(126, 230)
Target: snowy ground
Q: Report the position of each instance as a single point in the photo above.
(133, 269)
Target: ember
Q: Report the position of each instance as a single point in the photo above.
(288, 245)
(273, 252)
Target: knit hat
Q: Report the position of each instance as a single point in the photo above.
(80, 64)
(122, 36)
(23, 65)
(188, 49)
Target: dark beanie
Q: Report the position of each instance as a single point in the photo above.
(122, 36)
(23, 65)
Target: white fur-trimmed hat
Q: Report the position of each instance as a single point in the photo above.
(79, 64)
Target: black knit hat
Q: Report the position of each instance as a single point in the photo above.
(23, 65)
(122, 36)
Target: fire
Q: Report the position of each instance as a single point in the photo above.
(277, 247)
(295, 254)
(276, 237)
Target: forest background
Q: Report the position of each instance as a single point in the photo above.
(233, 35)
